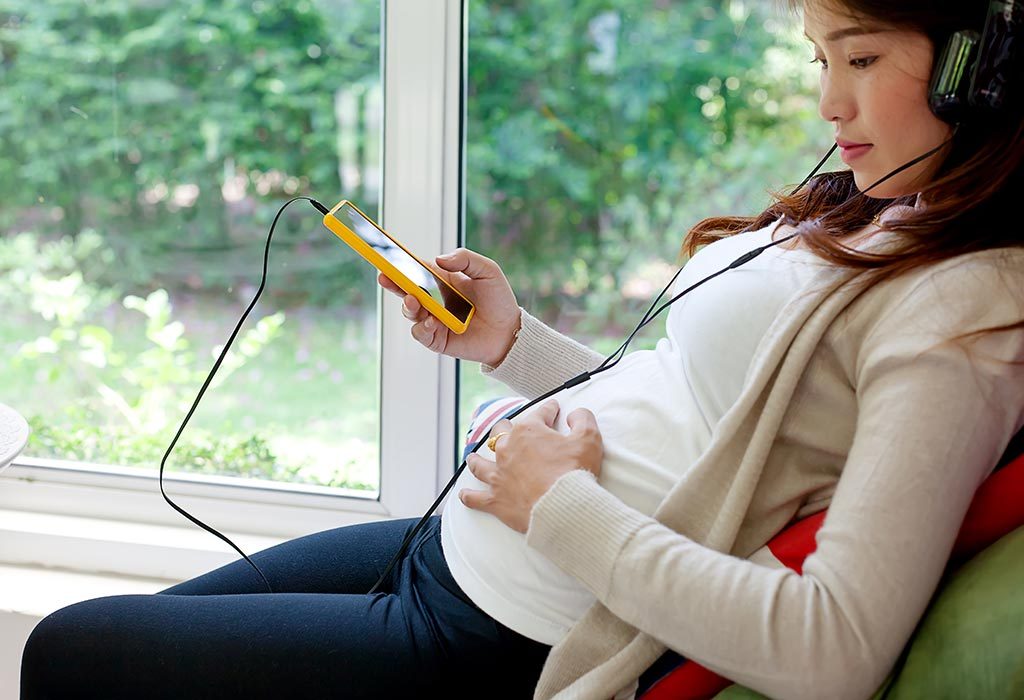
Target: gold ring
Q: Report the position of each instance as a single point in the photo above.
(493, 441)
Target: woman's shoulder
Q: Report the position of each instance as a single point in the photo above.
(948, 299)
(935, 302)
(978, 272)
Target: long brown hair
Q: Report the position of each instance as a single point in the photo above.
(971, 201)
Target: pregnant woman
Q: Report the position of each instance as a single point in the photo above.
(872, 363)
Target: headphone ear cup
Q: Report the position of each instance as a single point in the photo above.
(951, 77)
(998, 74)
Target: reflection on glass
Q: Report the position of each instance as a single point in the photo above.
(391, 252)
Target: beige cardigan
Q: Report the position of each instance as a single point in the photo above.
(846, 381)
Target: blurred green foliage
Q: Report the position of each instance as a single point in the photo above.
(134, 116)
(151, 142)
(599, 131)
(122, 393)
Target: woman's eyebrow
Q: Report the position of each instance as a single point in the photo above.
(844, 33)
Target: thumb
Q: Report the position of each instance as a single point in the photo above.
(471, 264)
(581, 421)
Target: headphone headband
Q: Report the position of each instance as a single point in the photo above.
(980, 72)
(999, 66)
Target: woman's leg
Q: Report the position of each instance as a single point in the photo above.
(343, 560)
(196, 641)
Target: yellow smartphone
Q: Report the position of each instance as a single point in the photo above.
(403, 268)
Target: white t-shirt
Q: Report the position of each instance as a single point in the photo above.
(656, 410)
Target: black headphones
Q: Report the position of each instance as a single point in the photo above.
(980, 73)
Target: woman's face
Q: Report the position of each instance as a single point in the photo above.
(874, 88)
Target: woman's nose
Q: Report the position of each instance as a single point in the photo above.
(836, 102)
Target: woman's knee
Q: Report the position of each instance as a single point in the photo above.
(70, 644)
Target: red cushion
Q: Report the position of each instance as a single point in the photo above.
(997, 509)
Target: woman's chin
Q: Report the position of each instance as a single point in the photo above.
(908, 182)
(890, 189)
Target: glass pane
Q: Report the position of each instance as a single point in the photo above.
(147, 147)
(599, 133)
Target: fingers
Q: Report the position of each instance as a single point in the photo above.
(548, 412)
(430, 333)
(390, 286)
(477, 500)
(482, 468)
(426, 329)
(586, 436)
(413, 310)
(469, 263)
(545, 413)
(502, 426)
(581, 422)
(411, 307)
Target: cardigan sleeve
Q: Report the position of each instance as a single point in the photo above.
(933, 419)
(540, 359)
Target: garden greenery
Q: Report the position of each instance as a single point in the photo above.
(148, 144)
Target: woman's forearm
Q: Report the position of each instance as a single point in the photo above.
(541, 358)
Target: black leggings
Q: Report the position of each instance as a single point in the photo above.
(318, 636)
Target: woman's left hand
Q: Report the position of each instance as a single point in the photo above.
(530, 459)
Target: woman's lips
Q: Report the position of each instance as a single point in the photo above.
(851, 151)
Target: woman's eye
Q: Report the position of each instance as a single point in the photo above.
(822, 61)
(863, 62)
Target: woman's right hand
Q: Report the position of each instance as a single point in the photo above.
(492, 329)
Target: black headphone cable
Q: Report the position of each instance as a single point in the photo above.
(616, 356)
(605, 365)
(206, 384)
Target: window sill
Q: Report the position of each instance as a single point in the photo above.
(91, 522)
(36, 592)
(95, 546)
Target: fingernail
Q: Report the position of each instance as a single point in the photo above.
(429, 324)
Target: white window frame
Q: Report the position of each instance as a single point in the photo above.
(95, 518)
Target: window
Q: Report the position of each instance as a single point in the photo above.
(164, 137)
(168, 137)
(174, 134)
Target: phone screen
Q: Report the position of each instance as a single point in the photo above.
(421, 275)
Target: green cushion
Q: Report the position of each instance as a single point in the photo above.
(971, 643)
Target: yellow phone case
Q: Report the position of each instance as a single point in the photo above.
(339, 229)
